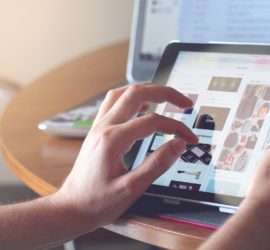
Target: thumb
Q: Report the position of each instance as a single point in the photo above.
(155, 165)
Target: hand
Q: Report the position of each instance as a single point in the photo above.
(100, 187)
(249, 227)
(259, 189)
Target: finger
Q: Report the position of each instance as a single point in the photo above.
(262, 173)
(131, 100)
(154, 166)
(111, 97)
(144, 126)
(144, 108)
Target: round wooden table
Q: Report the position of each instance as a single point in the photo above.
(43, 162)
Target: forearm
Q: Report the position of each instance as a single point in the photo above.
(37, 224)
(247, 229)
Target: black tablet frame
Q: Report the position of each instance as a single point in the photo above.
(161, 76)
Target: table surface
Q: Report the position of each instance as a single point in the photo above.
(42, 162)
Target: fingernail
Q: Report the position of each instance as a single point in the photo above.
(179, 145)
(195, 139)
(191, 103)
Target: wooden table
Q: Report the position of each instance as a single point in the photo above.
(43, 162)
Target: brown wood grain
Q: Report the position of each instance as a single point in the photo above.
(44, 161)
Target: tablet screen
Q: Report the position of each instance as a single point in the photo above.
(199, 21)
(231, 96)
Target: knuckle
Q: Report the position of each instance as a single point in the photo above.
(128, 187)
(107, 134)
(154, 116)
(159, 162)
(134, 89)
(171, 89)
(112, 93)
(154, 119)
(97, 126)
(172, 150)
(170, 92)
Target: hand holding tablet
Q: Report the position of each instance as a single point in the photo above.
(229, 88)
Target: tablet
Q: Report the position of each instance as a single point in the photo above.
(230, 89)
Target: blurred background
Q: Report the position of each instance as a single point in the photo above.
(39, 35)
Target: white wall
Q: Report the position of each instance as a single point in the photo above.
(38, 35)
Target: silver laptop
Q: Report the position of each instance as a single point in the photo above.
(155, 24)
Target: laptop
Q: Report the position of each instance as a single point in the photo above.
(156, 23)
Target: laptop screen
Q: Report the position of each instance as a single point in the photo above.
(161, 21)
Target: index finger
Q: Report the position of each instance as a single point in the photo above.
(109, 100)
(154, 166)
(131, 100)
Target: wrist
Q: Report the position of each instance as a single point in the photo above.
(74, 221)
(247, 229)
(256, 208)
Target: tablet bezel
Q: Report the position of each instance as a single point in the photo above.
(161, 76)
